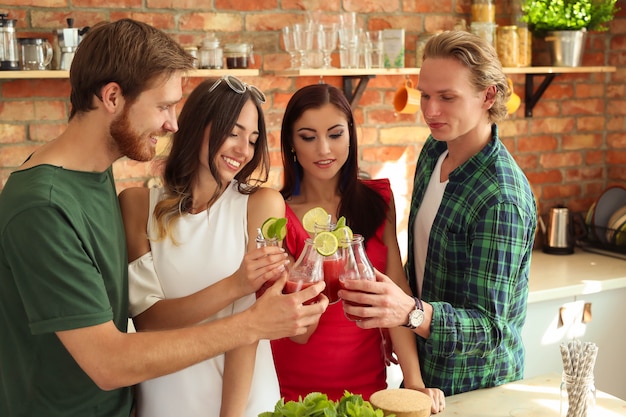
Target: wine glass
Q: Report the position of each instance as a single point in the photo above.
(327, 41)
(302, 42)
(288, 46)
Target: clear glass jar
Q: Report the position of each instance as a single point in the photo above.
(578, 396)
(419, 48)
(356, 265)
(507, 45)
(306, 271)
(210, 55)
(238, 55)
(485, 30)
(484, 11)
(525, 46)
(193, 51)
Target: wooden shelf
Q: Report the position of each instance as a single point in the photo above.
(311, 72)
(16, 75)
(362, 76)
(531, 97)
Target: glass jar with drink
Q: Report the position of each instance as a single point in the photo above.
(356, 265)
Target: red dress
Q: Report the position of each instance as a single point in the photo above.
(339, 355)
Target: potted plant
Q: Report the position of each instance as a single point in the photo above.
(565, 23)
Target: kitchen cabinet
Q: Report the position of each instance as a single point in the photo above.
(569, 282)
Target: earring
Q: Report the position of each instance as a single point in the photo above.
(293, 152)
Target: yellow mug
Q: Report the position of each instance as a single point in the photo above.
(407, 99)
(514, 101)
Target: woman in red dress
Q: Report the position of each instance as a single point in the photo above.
(319, 145)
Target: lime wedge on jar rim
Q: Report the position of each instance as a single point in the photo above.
(315, 215)
(325, 243)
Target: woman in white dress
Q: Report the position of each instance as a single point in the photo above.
(192, 253)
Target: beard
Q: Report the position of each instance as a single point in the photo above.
(129, 142)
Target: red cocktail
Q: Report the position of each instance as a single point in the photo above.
(295, 286)
(351, 316)
(333, 267)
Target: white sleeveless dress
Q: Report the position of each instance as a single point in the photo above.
(210, 247)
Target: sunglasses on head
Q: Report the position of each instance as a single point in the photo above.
(239, 87)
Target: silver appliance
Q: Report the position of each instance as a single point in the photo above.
(66, 42)
(9, 59)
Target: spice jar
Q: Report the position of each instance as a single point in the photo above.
(485, 30)
(483, 11)
(421, 44)
(525, 46)
(507, 45)
(210, 55)
(193, 51)
(237, 55)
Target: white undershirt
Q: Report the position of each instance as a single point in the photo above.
(424, 220)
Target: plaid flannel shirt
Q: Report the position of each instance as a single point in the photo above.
(477, 267)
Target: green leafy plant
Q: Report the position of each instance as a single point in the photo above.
(548, 15)
(317, 404)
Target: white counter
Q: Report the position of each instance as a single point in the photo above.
(533, 397)
(559, 276)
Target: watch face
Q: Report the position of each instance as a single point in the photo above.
(416, 317)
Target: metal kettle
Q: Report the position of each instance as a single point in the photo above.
(559, 233)
(66, 41)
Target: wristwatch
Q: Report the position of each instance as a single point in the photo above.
(416, 316)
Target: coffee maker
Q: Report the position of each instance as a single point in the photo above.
(9, 59)
(65, 43)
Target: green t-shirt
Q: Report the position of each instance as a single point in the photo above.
(63, 265)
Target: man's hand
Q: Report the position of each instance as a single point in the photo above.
(383, 303)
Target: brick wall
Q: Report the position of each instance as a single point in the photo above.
(571, 149)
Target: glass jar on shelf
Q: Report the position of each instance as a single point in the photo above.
(485, 30)
(507, 45)
(238, 55)
(210, 55)
(525, 46)
(484, 11)
(421, 44)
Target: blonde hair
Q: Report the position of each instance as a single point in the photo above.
(480, 58)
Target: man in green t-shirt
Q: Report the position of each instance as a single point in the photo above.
(63, 261)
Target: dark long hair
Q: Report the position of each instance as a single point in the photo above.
(220, 110)
(355, 195)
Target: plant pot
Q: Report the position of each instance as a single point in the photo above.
(566, 47)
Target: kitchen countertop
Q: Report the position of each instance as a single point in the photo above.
(559, 276)
(533, 397)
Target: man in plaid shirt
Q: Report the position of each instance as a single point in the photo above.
(471, 229)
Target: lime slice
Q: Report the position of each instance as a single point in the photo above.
(341, 222)
(280, 228)
(325, 243)
(267, 226)
(344, 236)
(315, 215)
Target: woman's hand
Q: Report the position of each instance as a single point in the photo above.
(437, 396)
(259, 266)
